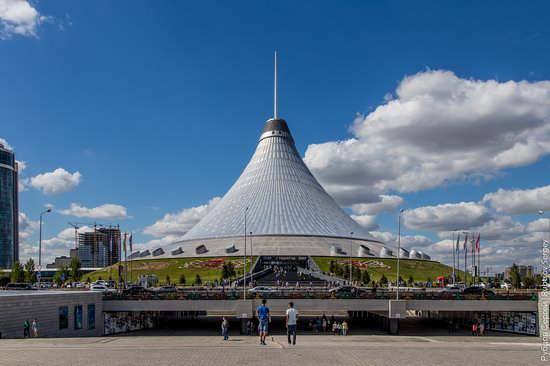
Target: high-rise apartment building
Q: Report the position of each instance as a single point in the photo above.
(9, 209)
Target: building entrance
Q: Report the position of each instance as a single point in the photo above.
(288, 263)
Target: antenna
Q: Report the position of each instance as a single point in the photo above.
(275, 91)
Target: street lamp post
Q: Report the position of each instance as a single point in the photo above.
(350, 258)
(398, 248)
(454, 250)
(251, 258)
(244, 264)
(40, 238)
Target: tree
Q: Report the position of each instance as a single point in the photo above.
(515, 277)
(75, 273)
(528, 281)
(30, 274)
(400, 280)
(57, 278)
(365, 277)
(410, 281)
(383, 280)
(356, 274)
(182, 279)
(332, 266)
(167, 279)
(198, 280)
(88, 280)
(17, 272)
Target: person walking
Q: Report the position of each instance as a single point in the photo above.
(324, 324)
(26, 329)
(482, 329)
(35, 328)
(474, 329)
(345, 328)
(291, 322)
(225, 329)
(334, 328)
(264, 317)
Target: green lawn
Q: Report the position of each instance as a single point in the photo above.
(209, 269)
(421, 270)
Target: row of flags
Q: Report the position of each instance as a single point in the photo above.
(123, 242)
(475, 245)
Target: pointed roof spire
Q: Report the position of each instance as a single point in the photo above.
(275, 91)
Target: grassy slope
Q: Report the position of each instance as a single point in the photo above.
(420, 270)
(163, 267)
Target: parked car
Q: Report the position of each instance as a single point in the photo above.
(452, 290)
(101, 288)
(260, 290)
(506, 286)
(134, 290)
(345, 290)
(167, 290)
(19, 286)
(476, 290)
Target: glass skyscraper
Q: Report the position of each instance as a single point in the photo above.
(9, 210)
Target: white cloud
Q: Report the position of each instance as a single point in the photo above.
(387, 203)
(367, 221)
(520, 201)
(26, 226)
(181, 222)
(19, 17)
(57, 246)
(446, 217)
(539, 226)
(438, 129)
(407, 241)
(5, 144)
(55, 182)
(105, 211)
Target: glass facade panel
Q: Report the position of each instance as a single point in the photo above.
(63, 317)
(91, 316)
(78, 317)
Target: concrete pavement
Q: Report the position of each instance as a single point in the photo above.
(172, 348)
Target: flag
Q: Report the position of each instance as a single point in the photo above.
(124, 243)
(478, 244)
(472, 243)
(457, 243)
(466, 244)
(130, 242)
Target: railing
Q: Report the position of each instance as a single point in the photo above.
(320, 294)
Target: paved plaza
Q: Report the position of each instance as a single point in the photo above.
(171, 348)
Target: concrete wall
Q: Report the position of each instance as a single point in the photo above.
(16, 306)
(314, 306)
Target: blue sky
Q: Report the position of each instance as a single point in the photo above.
(158, 105)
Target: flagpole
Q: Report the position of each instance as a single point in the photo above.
(478, 248)
(131, 266)
(474, 274)
(458, 253)
(125, 260)
(466, 260)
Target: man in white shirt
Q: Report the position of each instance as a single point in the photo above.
(291, 322)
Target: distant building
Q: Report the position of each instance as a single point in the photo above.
(59, 262)
(99, 248)
(524, 271)
(9, 209)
